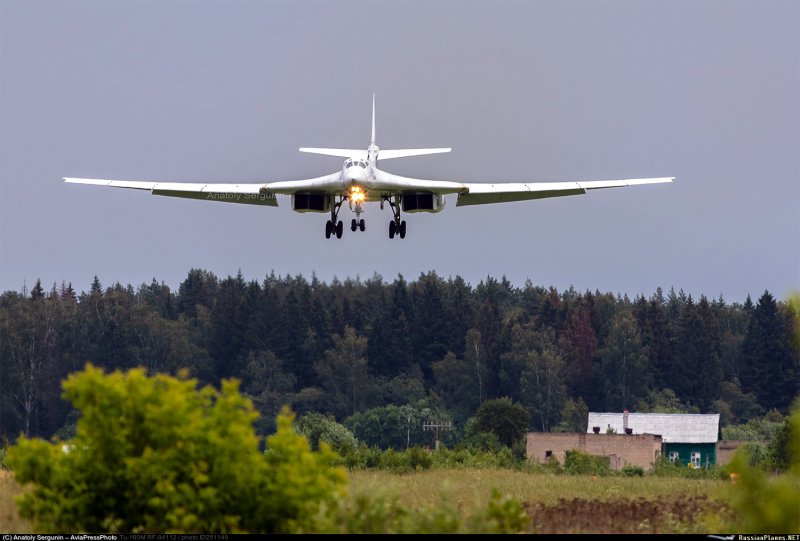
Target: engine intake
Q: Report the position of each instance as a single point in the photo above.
(311, 202)
(422, 202)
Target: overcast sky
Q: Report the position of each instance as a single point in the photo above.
(523, 91)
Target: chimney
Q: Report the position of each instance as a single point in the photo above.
(625, 421)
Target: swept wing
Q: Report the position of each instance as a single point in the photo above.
(255, 194)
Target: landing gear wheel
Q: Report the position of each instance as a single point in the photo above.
(328, 229)
(353, 225)
(339, 229)
(392, 229)
(362, 225)
(402, 229)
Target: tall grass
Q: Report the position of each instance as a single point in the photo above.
(10, 521)
(469, 489)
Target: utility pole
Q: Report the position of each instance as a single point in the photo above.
(437, 427)
(409, 409)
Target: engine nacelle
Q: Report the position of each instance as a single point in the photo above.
(311, 202)
(422, 202)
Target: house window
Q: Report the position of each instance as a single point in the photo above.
(548, 454)
(673, 456)
(695, 459)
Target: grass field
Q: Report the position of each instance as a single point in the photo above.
(10, 522)
(562, 503)
(556, 503)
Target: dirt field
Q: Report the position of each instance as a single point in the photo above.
(673, 515)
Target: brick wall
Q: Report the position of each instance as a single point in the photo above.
(727, 448)
(622, 449)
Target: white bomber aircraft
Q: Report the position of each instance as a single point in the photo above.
(360, 181)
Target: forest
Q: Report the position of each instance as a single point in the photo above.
(385, 357)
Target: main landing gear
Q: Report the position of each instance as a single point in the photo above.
(396, 226)
(334, 226)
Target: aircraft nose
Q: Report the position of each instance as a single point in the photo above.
(357, 175)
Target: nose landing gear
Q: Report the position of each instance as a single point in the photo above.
(358, 224)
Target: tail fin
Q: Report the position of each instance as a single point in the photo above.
(373, 118)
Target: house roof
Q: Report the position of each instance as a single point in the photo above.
(672, 427)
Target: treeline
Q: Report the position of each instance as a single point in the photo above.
(431, 350)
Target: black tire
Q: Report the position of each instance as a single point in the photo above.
(339, 229)
(328, 229)
(362, 225)
(353, 225)
(392, 229)
(403, 229)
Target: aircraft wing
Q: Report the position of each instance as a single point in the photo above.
(388, 182)
(481, 194)
(254, 194)
(504, 192)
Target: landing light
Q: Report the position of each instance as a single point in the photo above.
(357, 195)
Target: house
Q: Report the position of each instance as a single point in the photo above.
(688, 438)
(622, 450)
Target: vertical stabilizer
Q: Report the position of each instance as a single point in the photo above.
(373, 119)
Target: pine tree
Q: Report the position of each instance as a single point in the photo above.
(769, 365)
(624, 364)
(96, 288)
(37, 293)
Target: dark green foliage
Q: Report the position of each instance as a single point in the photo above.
(574, 416)
(663, 401)
(394, 427)
(758, 429)
(503, 418)
(770, 365)
(346, 347)
(624, 364)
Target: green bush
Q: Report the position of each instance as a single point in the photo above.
(632, 471)
(763, 503)
(665, 468)
(417, 459)
(780, 448)
(318, 428)
(155, 454)
(759, 429)
(578, 463)
(502, 417)
(757, 454)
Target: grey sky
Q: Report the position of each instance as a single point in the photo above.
(522, 91)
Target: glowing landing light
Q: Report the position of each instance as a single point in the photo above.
(357, 194)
